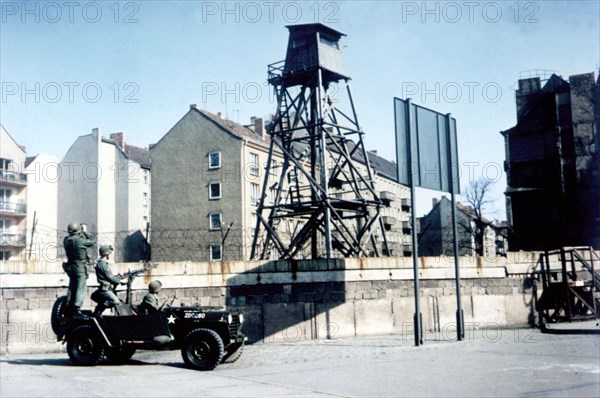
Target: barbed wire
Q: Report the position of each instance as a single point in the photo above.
(160, 244)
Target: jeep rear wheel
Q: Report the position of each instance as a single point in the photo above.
(234, 352)
(119, 355)
(84, 346)
(58, 312)
(202, 349)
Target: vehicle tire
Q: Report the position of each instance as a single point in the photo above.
(119, 355)
(202, 349)
(58, 311)
(84, 346)
(233, 353)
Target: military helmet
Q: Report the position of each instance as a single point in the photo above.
(105, 249)
(73, 228)
(154, 286)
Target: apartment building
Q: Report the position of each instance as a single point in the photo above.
(42, 200)
(13, 198)
(208, 175)
(207, 181)
(436, 236)
(106, 183)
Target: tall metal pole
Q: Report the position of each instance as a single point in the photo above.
(460, 329)
(417, 315)
(322, 166)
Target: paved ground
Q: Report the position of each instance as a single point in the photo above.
(520, 362)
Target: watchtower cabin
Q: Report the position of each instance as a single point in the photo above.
(310, 47)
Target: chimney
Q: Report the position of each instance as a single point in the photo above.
(220, 115)
(373, 151)
(527, 87)
(96, 134)
(193, 106)
(259, 127)
(434, 202)
(118, 138)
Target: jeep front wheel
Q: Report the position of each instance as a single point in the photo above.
(202, 349)
(84, 346)
(234, 352)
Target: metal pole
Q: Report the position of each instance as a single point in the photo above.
(460, 325)
(322, 166)
(417, 315)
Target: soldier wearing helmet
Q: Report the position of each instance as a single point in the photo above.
(150, 302)
(107, 282)
(76, 246)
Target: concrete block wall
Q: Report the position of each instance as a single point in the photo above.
(294, 300)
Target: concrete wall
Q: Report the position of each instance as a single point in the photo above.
(294, 300)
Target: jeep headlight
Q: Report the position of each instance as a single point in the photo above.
(229, 318)
(241, 317)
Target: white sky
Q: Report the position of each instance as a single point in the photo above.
(136, 66)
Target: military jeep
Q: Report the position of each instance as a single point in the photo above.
(206, 336)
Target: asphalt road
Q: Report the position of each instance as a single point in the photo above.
(520, 362)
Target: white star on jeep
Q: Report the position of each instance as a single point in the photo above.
(171, 319)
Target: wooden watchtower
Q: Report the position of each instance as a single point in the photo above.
(325, 191)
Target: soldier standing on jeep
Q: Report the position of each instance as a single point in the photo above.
(76, 245)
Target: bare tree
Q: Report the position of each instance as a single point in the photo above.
(477, 194)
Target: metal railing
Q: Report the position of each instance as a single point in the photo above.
(11, 176)
(12, 240)
(13, 207)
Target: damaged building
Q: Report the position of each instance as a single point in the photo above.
(552, 164)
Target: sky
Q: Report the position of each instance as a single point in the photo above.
(135, 67)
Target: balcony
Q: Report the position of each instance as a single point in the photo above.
(12, 240)
(387, 197)
(405, 202)
(388, 221)
(13, 208)
(13, 178)
(406, 226)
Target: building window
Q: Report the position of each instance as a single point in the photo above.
(145, 199)
(5, 195)
(214, 160)
(273, 193)
(254, 195)
(4, 255)
(214, 190)
(329, 41)
(5, 164)
(215, 252)
(5, 226)
(214, 221)
(146, 177)
(254, 164)
(273, 168)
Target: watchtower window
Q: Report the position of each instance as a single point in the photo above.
(298, 43)
(329, 41)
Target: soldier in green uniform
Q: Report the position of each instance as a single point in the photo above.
(76, 245)
(107, 282)
(150, 302)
